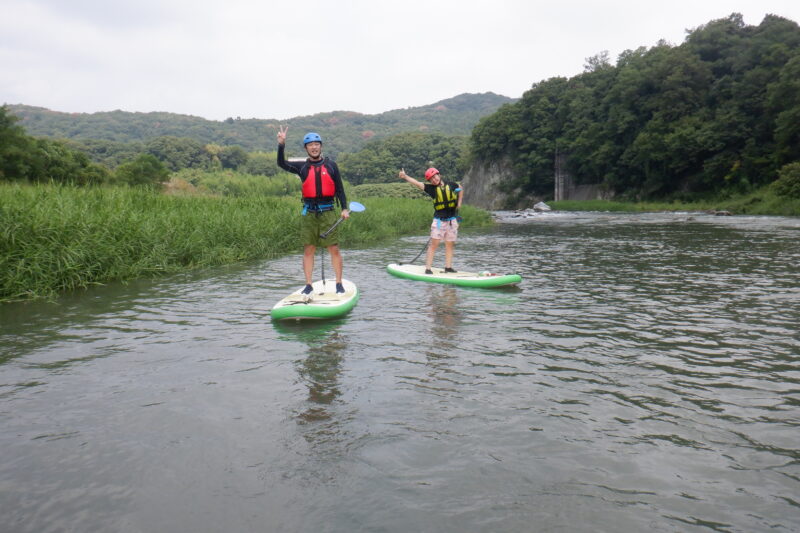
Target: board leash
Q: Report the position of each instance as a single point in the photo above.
(419, 254)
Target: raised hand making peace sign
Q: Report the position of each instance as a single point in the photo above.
(282, 134)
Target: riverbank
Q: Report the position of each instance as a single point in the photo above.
(764, 202)
(59, 238)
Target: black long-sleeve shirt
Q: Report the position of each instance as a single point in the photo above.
(303, 170)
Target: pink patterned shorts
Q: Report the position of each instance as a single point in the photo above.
(446, 230)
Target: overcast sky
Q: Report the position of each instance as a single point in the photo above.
(265, 59)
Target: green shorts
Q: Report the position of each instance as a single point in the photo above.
(313, 224)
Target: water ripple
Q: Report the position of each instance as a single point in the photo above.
(644, 376)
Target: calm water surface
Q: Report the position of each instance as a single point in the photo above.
(645, 376)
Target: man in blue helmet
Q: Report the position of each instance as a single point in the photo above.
(321, 185)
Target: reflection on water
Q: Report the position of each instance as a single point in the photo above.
(644, 376)
(445, 315)
(320, 371)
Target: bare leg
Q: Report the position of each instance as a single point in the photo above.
(308, 262)
(448, 253)
(336, 261)
(431, 250)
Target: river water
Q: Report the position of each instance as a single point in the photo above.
(645, 376)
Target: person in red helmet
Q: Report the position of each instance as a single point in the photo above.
(321, 185)
(447, 197)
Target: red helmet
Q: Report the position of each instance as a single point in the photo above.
(431, 172)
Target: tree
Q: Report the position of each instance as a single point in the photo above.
(16, 149)
(719, 113)
(788, 184)
(145, 170)
(56, 162)
(597, 62)
(212, 152)
(342, 130)
(178, 152)
(784, 102)
(24, 158)
(232, 157)
(261, 163)
(380, 160)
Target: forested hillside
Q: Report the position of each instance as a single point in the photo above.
(718, 114)
(343, 131)
(380, 160)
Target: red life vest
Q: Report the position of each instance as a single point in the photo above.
(318, 183)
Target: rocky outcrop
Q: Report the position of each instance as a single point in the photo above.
(482, 187)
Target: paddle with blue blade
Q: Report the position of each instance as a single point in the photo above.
(354, 207)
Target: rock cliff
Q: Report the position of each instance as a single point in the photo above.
(482, 187)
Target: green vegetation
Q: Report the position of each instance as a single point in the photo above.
(55, 238)
(24, 158)
(788, 183)
(192, 161)
(343, 131)
(180, 152)
(710, 125)
(58, 238)
(716, 116)
(107, 153)
(261, 164)
(387, 190)
(380, 160)
(764, 201)
(146, 169)
(61, 231)
(27, 159)
(232, 183)
(761, 202)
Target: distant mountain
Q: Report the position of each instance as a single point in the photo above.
(343, 131)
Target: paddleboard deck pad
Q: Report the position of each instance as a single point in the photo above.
(464, 279)
(323, 302)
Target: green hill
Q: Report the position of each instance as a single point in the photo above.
(716, 115)
(342, 130)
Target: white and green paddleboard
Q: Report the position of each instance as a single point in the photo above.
(323, 302)
(465, 279)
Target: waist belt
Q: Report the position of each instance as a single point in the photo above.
(316, 208)
(440, 220)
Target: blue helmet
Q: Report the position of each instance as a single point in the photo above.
(312, 137)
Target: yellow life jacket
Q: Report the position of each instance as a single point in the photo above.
(446, 198)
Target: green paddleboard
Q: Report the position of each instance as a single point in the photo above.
(464, 279)
(323, 302)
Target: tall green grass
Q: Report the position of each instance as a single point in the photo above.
(57, 238)
(631, 207)
(388, 190)
(761, 202)
(387, 218)
(231, 183)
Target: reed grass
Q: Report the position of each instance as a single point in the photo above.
(387, 218)
(388, 190)
(231, 183)
(630, 207)
(56, 238)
